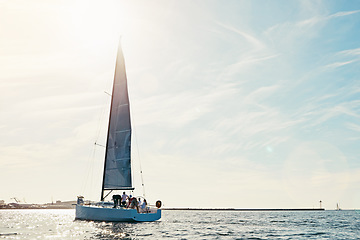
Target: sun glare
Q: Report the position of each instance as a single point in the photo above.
(96, 22)
(99, 24)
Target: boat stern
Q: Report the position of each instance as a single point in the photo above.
(147, 217)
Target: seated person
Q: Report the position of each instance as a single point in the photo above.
(133, 203)
(143, 206)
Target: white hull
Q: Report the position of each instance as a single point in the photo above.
(94, 213)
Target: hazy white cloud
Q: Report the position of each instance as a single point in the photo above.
(203, 179)
(320, 115)
(353, 126)
(326, 170)
(245, 62)
(321, 18)
(287, 34)
(255, 42)
(344, 13)
(344, 57)
(256, 129)
(181, 109)
(339, 64)
(261, 93)
(355, 51)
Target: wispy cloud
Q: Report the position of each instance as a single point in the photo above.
(344, 57)
(261, 93)
(287, 33)
(353, 126)
(339, 64)
(320, 114)
(246, 61)
(256, 128)
(183, 108)
(343, 13)
(355, 51)
(255, 42)
(321, 18)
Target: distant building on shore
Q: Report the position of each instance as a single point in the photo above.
(58, 205)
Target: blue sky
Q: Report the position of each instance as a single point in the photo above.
(255, 102)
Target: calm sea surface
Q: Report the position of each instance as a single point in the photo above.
(60, 224)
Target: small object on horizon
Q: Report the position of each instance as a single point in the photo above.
(338, 207)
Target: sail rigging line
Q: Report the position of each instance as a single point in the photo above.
(97, 144)
(108, 193)
(91, 159)
(89, 171)
(107, 144)
(138, 152)
(100, 121)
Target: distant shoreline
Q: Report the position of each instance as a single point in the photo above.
(244, 209)
(57, 205)
(177, 209)
(38, 207)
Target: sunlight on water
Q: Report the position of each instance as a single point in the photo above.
(60, 224)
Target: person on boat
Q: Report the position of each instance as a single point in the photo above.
(124, 197)
(116, 199)
(128, 201)
(139, 202)
(143, 206)
(80, 200)
(133, 203)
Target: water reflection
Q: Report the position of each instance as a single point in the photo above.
(118, 230)
(59, 224)
(114, 230)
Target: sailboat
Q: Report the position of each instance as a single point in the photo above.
(338, 207)
(117, 164)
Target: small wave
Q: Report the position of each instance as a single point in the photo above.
(272, 235)
(307, 234)
(278, 221)
(224, 234)
(145, 235)
(7, 234)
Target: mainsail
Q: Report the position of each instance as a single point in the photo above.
(117, 167)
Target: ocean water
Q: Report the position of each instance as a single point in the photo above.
(60, 224)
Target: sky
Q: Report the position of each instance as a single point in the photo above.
(234, 104)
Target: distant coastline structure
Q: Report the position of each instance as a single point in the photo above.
(57, 205)
(245, 209)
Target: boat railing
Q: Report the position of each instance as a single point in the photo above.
(148, 209)
(97, 204)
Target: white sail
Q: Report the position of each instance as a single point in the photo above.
(117, 168)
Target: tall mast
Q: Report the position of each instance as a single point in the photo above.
(107, 138)
(117, 164)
